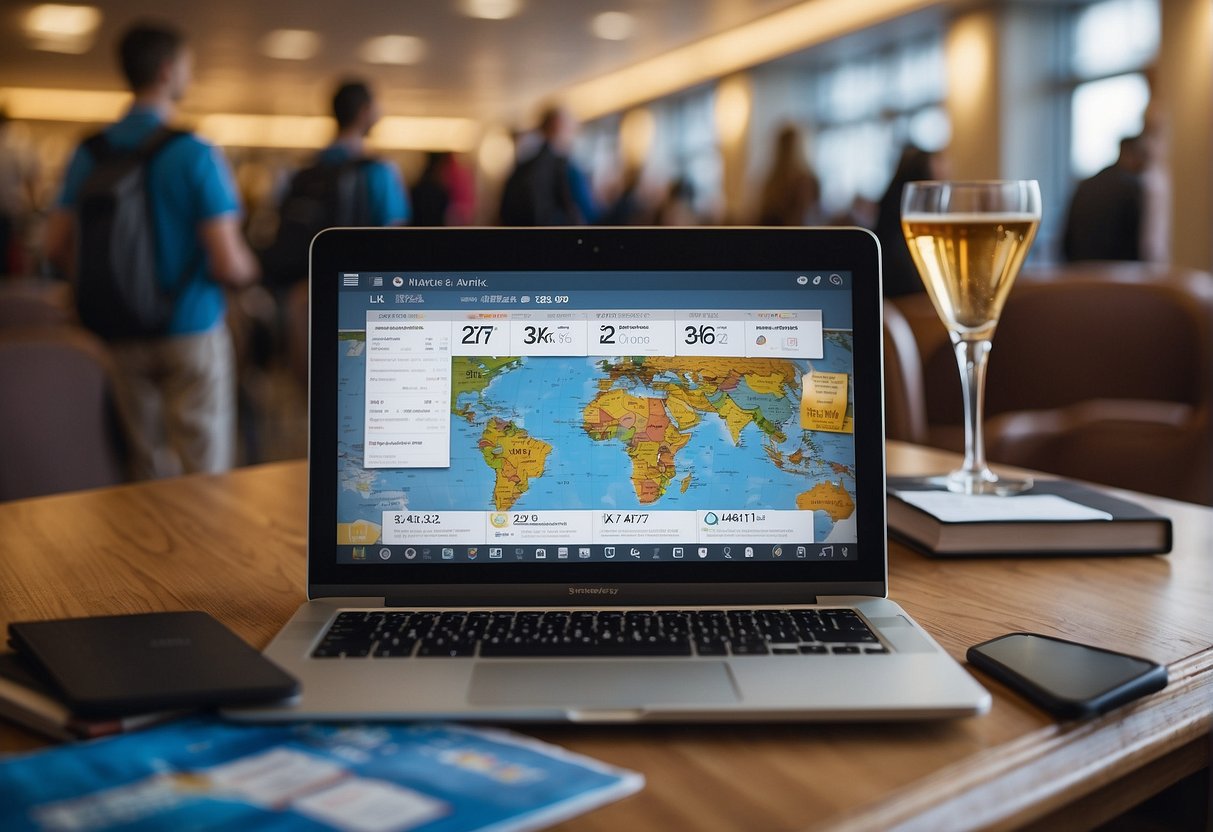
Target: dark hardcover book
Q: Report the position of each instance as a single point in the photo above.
(129, 664)
(1091, 522)
(28, 699)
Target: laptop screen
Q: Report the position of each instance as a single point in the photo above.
(595, 418)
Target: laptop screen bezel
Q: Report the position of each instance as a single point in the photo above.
(596, 249)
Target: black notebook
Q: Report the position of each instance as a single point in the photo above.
(131, 664)
(1055, 517)
(28, 699)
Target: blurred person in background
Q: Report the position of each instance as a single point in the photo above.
(445, 193)
(356, 111)
(900, 276)
(177, 390)
(677, 208)
(18, 196)
(343, 186)
(546, 187)
(791, 194)
(629, 204)
(1106, 216)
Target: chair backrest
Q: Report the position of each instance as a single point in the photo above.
(1135, 337)
(905, 413)
(1100, 331)
(59, 430)
(33, 303)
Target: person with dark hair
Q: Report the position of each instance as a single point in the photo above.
(356, 112)
(352, 101)
(342, 187)
(547, 188)
(900, 276)
(791, 194)
(1106, 212)
(177, 388)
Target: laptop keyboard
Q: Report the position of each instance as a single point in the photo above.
(596, 633)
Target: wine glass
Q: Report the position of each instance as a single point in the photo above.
(968, 240)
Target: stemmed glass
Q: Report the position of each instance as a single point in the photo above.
(968, 240)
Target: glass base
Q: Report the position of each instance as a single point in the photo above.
(984, 482)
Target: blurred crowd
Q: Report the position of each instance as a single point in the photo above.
(240, 234)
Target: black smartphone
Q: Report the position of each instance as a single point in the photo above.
(1067, 679)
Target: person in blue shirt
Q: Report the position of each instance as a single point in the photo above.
(178, 392)
(356, 112)
(547, 187)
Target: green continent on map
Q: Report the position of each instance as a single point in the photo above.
(472, 374)
(650, 437)
(516, 458)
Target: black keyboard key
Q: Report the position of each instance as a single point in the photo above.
(446, 648)
(749, 647)
(395, 651)
(593, 649)
(711, 647)
(456, 633)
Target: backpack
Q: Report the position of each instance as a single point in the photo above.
(118, 292)
(324, 195)
(538, 192)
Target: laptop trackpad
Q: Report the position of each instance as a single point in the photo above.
(601, 684)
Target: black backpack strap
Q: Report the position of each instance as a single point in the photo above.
(157, 142)
(362, 190)
(97, 145)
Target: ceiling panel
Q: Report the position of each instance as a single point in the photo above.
(482, 69)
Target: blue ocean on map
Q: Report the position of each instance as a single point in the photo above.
(547, 398)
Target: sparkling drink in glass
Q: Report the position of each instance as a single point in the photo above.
(968, 241)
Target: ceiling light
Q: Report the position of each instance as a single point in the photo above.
(636, 132)
(424, 133)
(291, 44)
(496, 154)
(734, 102)
(789, 30)
(393, 49)
(613, 25)
(54, 27)
(36, 103)
(490, 9)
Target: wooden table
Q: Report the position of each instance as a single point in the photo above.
(234, 545)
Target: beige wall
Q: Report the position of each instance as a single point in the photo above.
(971, 49)
(1185, 92)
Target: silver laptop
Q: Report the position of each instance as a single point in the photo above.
(602, 475)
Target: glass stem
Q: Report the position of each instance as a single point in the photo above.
(971, 355)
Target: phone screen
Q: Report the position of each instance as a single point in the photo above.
(1070, 671)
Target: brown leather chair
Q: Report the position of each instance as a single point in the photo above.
(905, 411)
(1100, 371)
(59, 430)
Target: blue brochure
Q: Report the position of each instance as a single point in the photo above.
(203, 773)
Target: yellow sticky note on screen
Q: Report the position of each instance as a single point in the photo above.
(823, 402)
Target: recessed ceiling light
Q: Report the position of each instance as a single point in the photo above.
(613, 25)
(490, 9)
(55, 27)
(393, 49)
(291, 44)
